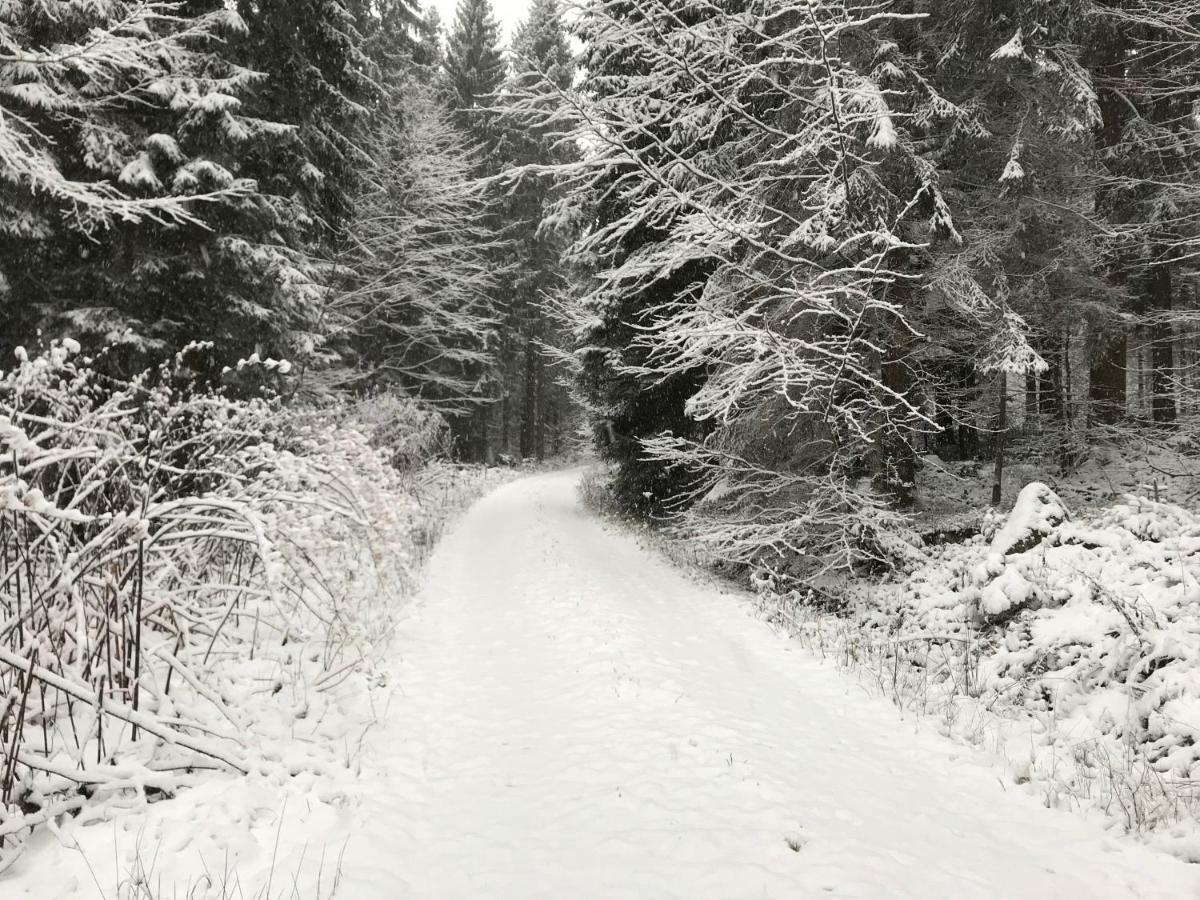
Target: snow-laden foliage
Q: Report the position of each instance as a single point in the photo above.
(1070, 643)
(136, 205)
(186, 580)
(819, 235)
(70, 69)
(762, 217)
(417, 303)
(529, 204)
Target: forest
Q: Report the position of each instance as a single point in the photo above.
(888, 310)
(784, 249)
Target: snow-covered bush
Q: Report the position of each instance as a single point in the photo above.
(187, 582)
(411, 432)
(1074, 641)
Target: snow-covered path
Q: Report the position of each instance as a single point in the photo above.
(575, 719)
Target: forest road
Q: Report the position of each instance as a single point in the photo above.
(573, 718)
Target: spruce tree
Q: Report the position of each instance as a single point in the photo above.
(474, 71)
(133, 109)
(530, 206)
(761, 210)
(1017, 165)
(413, 308)
(474, 67)
(1146, 72)
(627, 408)
(427, 50)
(320, 82)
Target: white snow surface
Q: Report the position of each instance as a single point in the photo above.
(572, 717)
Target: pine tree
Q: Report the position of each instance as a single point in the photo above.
(604, 323)
(474, 67)
(391, 33)
(133, 109)
(474, 71)
(763, 210)
(1018, 169)
(415, 309)
(530, 207)
(427, 51)
(320, 82)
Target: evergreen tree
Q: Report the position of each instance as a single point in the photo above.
(535, 231)
(1147, 74)
(428, 54)
(474, 71)
(474, 67)
(605, 321)
(127, 110)
(1018, 169)
(391, 33)
(415, 309)
(320, 82)
(762, 207)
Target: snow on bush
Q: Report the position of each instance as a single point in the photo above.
(188, 583)
(411, 433)
(1035, 514)
(1075, 643)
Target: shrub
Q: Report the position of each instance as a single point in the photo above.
(170, 556)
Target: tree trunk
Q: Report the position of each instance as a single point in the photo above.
(539, 438)
(529, 402)
(1162, 345)
(1106, 386)
(1106, 389)
(484, 451)
(1050, 387)
(1001, 436)
(899, 458)
(506, 424)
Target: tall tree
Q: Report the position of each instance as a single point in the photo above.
(1148, 75)
(475, 69)
(116, 114)
(320, 82)
(1019, 170)
(760, 195)
(414, 310)
(428, 54)
(535, 226)
(474, 66)
(618, 225)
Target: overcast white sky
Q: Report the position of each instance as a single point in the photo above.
(508, 13)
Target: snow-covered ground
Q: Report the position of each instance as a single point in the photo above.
(568, 716)
(572, 717)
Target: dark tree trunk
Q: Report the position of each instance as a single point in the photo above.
(529, 404)
(899, 475)
(1106, 387)
(1001, 438)
(1162, 345)
(506, 424)
(1050, 386)
(481, 445)
(539, 438)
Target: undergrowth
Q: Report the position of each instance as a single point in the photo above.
(189, 581)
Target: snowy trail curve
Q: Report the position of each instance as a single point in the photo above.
(573, 718)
